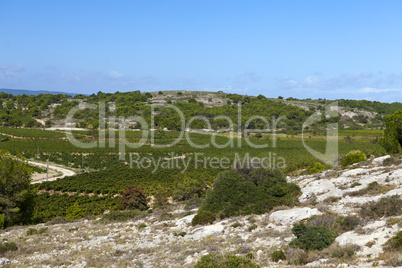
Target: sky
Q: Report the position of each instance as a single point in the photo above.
(348, 49)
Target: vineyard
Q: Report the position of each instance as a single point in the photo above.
(105, 175)
(70, 206)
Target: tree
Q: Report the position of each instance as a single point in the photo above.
(392, 141)
(48, 123)
(133, 198)
(16, 192)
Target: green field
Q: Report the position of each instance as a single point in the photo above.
(107, 175)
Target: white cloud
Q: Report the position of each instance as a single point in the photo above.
(342, 81)
(10, 71)
(115, 75)
(247, 78)
(377, 90)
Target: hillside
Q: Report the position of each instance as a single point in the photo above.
(165, 237)
(51, 110)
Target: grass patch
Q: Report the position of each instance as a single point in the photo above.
(374, 188)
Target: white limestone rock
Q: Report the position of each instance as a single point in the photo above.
(290, 216)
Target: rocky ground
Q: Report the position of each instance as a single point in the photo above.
(165, 237)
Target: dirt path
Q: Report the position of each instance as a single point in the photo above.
(53, 173)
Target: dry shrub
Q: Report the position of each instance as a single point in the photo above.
(385, 207)
(133, 198)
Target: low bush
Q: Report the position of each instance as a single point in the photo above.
(394, 243)
(296, 256)
(316, 167)
(334, 222)
(345, 251)
(312, 237)
(252, 227)
(204, 217)
(7, 246)
(346, 224)
(236, 224)
(385, 207)
(227, 261)
(278, 255)
(33, 231)
(353, 157)
(249, 191)
(182, 234)
(393, 160)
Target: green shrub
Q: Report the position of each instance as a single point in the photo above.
(353, 157)
(252, 227)
(2, 221)
(394, 243)
(392, 141)
(312, 237)
(133, 198)
(189, 188)
(346, 224)
(33, 231)
(74, 212)
(204, 217)
(227, 261)
(182, 234)
(142, 226)
(316, 167)
(385, 207)
(334, 222)
(236, 224)
(249, 191)
(278, 255)
(6, 246)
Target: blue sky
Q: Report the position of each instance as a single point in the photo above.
(304, 49)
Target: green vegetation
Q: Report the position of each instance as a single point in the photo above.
(7, 246)
(249, 191)
(16, 192)
(316, 167)
(33, 231)
(334, 222)
(353, 157)
(312, 237)
(392, 141)
(394, 243)
(49, 206)
(385, 207)
(105, 175)
(373, 188)
(204, 217)
(278, 255)
(227, 261)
